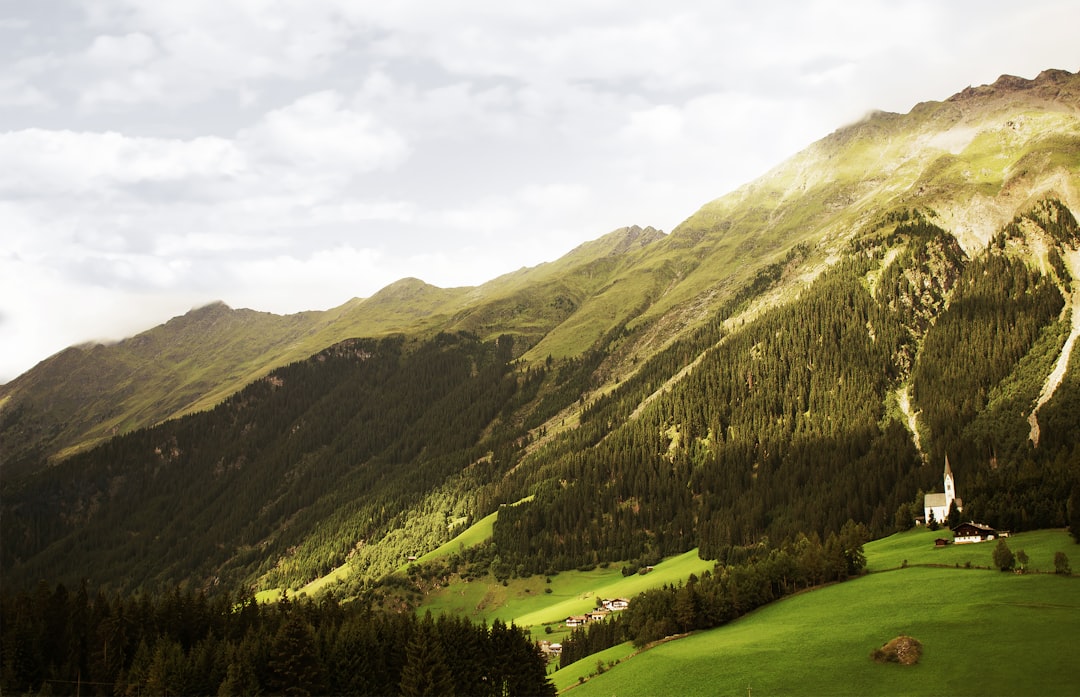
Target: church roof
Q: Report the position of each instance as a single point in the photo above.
(934, 500)
(948, 470)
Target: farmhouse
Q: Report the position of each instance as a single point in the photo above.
(966, 533)
(549, 649)
(577, 620)
(937, 505)
(615, 604)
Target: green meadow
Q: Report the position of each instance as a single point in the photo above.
(526, 602)
(917, 547)
(983, 632)
(578, 671)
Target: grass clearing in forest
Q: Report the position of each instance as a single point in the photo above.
(526, 602)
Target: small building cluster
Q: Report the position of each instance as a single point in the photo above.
(607, 606)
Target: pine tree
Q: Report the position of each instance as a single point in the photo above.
(426, 671)
(295, 667)
(954, 516)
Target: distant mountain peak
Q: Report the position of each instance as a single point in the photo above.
(402, 289)
(1049, 82)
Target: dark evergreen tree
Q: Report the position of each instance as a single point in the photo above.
(426, 671)
(295, 667)
(954, 516)
(1003, 556)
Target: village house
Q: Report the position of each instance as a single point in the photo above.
(577, 620)
(550, 650)
(598, 615)
(967, 533)
(615, 604)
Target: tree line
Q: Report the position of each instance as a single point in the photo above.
(747, 578)
(184, 643)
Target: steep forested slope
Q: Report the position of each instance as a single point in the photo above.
(323, 454)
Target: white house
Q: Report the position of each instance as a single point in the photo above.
(973, 532)
(938, 504)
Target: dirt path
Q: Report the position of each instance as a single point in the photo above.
(1072, 259)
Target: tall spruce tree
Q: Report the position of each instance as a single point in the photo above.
(426, 671)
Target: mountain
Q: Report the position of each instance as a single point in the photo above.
(86, 394)
(800, 352)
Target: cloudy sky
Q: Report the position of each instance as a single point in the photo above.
(287, 155)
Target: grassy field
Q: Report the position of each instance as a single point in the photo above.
(983, 632)
(526, 602)
(917, 547)
(575, 672)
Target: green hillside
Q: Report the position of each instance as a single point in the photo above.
(819, 643)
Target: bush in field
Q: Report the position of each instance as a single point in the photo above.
(1003, 556)
(1061, 564)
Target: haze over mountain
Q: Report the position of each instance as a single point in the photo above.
(800, 352)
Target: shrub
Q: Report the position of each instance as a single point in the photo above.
(1061, 564)
(904, 650)
(1003, 556)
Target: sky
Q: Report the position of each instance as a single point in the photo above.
(287, 155)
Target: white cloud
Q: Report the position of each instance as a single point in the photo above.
(195, 49)
(44, 162)
(319, 133)
(322, 279)
(112, 52)
(660, 123)
(16, 92)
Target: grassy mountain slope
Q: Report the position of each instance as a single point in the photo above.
(733, 380)
(88, 393)
(819, 643)
(976, 160)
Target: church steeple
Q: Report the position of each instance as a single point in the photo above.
(950, 485)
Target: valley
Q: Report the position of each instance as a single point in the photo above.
(732, 425)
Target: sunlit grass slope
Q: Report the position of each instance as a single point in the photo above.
(917, 547)
(983, 632)
(526, 602)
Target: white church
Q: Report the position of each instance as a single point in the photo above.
(938, 504)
